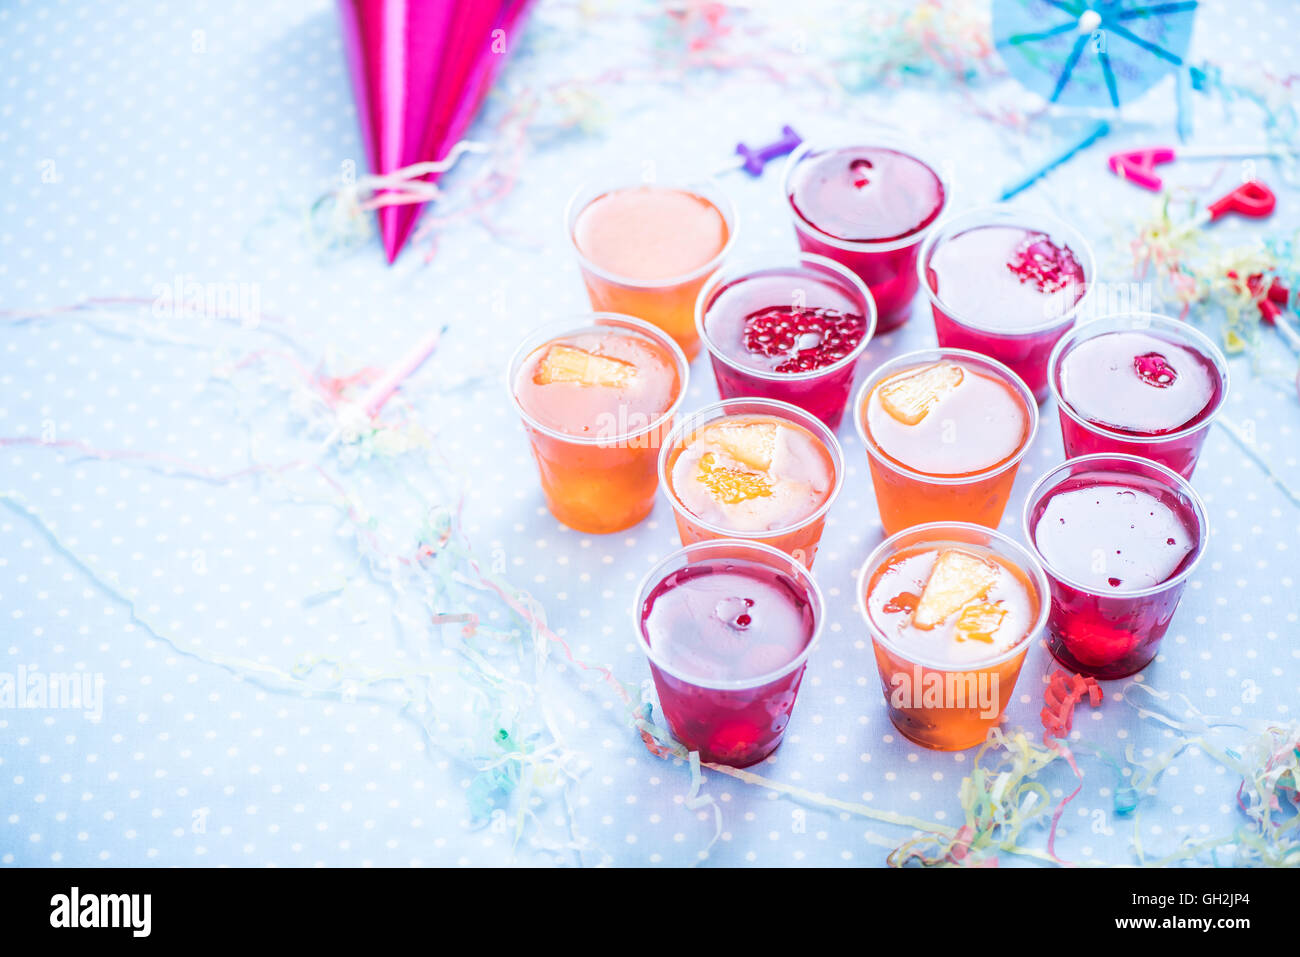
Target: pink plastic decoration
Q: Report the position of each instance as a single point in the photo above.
(1139, 166)
(1251, 199)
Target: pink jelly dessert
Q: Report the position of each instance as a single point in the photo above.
(1005, 291)
(867, 208)
(1138, 384)
(1149, 388)
(792, 333)
(728, 639)
(1117, 537)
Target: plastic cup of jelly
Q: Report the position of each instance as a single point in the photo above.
(1118, 536)
(868, 207)
(948, 679)
(1138, 384)
(793, 329)
(1007, 283)
(597, 394)
(727, 627)
(945, 431)
(752, 469)
(645, 249)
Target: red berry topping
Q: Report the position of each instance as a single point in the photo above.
(1048, 266)
(860, 169)
(807, 338)
(736, 611)
(1154, 369)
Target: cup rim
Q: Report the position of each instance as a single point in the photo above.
(544, 333)
(1150, 319)
(918, 357)
(1026, 560)
(881, 138)
(698, 419)
(1010, 214)
(747, 269)
(656, 574)
(719, 197)
(1184, 488)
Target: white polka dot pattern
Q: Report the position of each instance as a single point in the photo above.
(139, 145)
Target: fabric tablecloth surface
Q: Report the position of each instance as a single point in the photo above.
(172, 531)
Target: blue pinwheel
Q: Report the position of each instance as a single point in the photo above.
(1092, 53)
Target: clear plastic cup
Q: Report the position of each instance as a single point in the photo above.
(798, 539)
(668, 303)
(888, 267)
(735, 722)
(905, 496)
(1117, 633)
(823, 392)
(1024, 351)
(1179, 450)
(604, 482)
(937, 704)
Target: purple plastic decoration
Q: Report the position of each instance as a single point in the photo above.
(755, 159)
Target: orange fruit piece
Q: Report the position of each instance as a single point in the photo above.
(957, 577)
(980, 621)
(567, 364)
(732, 486)
(909, 397)
(752, 444)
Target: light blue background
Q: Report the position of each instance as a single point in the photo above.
(141, 142)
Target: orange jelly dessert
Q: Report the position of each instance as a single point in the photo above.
(951, 620)
(645, 251)
(595, 400)
(753, 469)
(945, 431)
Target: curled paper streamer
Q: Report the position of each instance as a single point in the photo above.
(340, 217)
(509, 740)
(1001, 798)
(1264, 754)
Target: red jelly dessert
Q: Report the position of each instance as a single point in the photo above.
(1006, 277)
(866, 193)
(1142, 385)
(1138, 384)
(789, 332)
(1007, 284)
(728, 629)
(1117, 537)
(868, 208)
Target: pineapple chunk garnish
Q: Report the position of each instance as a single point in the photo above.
(751, 444)
(980, 621)
(567, 364)
(910, 397)
(732, 486)
(958, 577)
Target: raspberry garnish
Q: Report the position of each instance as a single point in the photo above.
(858, 168)
(1154, 369)
(808, 338)
(1048, 266)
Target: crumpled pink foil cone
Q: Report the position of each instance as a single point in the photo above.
(420, 71)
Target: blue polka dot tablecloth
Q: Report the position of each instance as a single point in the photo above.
(289, 636)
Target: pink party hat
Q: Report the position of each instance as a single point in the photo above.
(420, 71)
